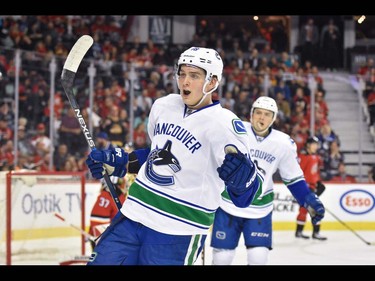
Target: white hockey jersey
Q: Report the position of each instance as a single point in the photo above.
(276, 151)
(178, 190)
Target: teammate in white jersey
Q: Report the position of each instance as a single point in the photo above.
(171, 205)
(271, 150)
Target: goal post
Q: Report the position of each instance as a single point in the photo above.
(31, 233)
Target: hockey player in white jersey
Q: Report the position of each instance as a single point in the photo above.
(271, 150)
(171, 205)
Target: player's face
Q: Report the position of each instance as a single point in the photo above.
(190, 83)
(261, 119)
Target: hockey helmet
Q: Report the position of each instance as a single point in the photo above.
(205, 58)
(265, 103)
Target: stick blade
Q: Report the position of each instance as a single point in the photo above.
(77, 53)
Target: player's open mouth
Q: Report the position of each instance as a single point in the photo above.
(186, 93)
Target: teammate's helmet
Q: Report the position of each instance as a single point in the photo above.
(265, 103)
(312, 139)
(205, 58)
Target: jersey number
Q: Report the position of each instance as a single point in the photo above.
(103, 202)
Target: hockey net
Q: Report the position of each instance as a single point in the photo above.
(30, 233)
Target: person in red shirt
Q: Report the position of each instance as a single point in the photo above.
(105, 208)
(342, 176)
(310, 164)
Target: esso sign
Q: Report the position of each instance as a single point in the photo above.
(357, 201)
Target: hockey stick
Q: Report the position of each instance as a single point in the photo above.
(348, 227)
(70, 68)
(84, 233)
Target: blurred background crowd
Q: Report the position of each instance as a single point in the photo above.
(130, 75)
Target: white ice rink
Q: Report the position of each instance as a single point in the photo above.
(341, 248)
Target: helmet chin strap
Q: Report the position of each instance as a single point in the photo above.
(205, 93)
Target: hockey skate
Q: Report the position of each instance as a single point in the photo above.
(317, 236)
(316, 233)
(299, 234)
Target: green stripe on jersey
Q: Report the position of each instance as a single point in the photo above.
(172, 207)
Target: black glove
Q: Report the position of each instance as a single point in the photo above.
(320, 187)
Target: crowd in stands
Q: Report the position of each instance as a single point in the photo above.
(246, 66)
(367, 73)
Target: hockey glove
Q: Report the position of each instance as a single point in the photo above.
(113, 160)
(238, 172)
(320, 187)
(315, 207)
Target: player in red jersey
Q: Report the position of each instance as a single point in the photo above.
(310, 162)
(105, 208)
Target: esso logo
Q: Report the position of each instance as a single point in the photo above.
(357, 201)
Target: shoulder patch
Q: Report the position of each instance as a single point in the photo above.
(238, 126)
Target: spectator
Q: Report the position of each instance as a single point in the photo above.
(41, 141)
(60, 155)
(71, 164)
(143, 118)
(280, 39)
(332, 159)
(330, 46)
(342, 176)
(7, 156)
(242, 106)
(7, 114)
(5, 132)
(227, 101)
(284, 107)
(308, 40)
(25, 147)
(114, 127)
(284, 88)
(371, 110)
(103, 142)
(364, 70)
(326, 135)
(371, 174)
(71, 133)
(140, 136)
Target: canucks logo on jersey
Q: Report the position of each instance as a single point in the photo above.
(238, 126)
(159, 157)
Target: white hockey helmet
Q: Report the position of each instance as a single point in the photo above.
(205, 58)
(265, 103)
